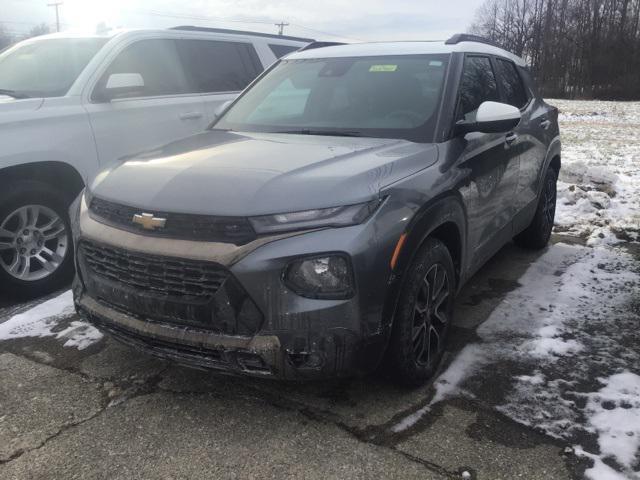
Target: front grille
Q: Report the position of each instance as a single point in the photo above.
(184, 226)
(150, 273)
(167, 289)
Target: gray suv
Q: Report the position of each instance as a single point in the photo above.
(324, 223)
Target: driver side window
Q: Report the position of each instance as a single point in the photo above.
(157, 61)
(478, 85)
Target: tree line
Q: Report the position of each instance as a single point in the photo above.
(575, 48)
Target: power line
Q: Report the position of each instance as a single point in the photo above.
(257, 22)
(197, 17)
(326, 33)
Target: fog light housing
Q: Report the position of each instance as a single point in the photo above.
(325, 277)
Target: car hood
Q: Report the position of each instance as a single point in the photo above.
(242, 174)
(16, 105)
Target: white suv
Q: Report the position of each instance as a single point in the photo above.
(71, 105)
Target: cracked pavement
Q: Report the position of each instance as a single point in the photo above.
(111, 412)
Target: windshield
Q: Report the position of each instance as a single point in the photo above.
(385, 96)
(46, 68)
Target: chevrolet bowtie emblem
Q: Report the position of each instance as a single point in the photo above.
(148, 221)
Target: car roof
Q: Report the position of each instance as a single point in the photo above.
(188, 29)
(403, 48)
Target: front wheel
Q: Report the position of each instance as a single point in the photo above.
(537, 234)
(35, 239)
(423, 320)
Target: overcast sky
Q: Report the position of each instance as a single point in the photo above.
(321, 19)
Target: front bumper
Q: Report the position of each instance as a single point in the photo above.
(298, 338)
(260, 355)
(332, 354)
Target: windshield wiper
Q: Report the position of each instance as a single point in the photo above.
(328, 133)
(13, 93)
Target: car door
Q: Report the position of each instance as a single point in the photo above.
(490, 161)
(530, 131)
(219, 69)
(163, 110)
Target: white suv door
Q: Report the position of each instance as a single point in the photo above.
(162, 110)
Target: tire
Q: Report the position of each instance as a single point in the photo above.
(421, 327)
(31, 206)
(536, 235)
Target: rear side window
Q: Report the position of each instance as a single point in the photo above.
(216, 66)
(158, 63)
(478, 84)
(511, 84)
(281, 50)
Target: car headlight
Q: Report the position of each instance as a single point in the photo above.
(327, 276)
(319, 218)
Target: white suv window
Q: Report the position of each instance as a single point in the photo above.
(158, 63)
(217, 66)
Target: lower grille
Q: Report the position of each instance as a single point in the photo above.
(168, 290)
(150, 273)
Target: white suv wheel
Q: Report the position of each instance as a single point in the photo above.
(33, 242)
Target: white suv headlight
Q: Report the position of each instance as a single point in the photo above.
(319, 218)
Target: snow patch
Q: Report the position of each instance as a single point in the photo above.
(599, 470)
(43, 320)
(447, 384)
(614, 413)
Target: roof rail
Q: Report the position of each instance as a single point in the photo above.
(314, 45)
(192, 28)
(467, 37)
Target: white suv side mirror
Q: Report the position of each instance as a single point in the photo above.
(122, 84)
(492, 117)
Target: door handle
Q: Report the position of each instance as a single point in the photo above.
(545, 124)
(190, 115)
(511, 137)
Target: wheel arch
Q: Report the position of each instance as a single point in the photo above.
(444, 219)
(553, 160)
(59, 175)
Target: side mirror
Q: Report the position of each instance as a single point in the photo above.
(120, 84)
(491, 117)
(222, 108)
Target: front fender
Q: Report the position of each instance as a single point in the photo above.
(446, 210)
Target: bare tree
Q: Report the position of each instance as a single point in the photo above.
(575, 48)
(5, 38)
(41, 29)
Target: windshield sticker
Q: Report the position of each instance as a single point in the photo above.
(435, 63)
(383, 68)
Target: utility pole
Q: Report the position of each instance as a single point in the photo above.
(281, 26)
(57, 5)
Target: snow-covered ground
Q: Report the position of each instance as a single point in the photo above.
(52, 318)
(598, 192)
